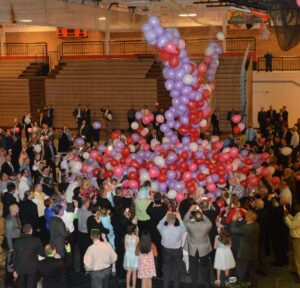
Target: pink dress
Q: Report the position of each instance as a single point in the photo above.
(146, 266)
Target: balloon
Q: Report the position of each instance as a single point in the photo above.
(234, 152)
(96, 125)
(159, 161)
(193, 147)
(133, 184)
(79, 141)
(94, 154)
(172, 194)
(211, 187)
(286, 151)
(180, 197)
(275, 180)
(118, 171)
(253, 181)
(75, 166)
(236, 118)
(86, 155)
(265, 172)
(242, 126)
(160, 119)
(220, 36)
(236, 130)
(153, 172)
(37, 148)
(298, 3)
(17, 130)
(188, 79)
(134, 125)
(29, 130)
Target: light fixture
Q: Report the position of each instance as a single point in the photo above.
(101, 18)
(25, 20)
(188, 15)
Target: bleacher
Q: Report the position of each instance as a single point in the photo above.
(99, 82)
(14, 92)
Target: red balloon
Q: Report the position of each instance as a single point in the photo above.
(236, 130)
(165, 56)
(99, 159)
(162, 178)
(248, 161)
(221, 181)
(96, 171)
(184, 129)
(129, 140)
(206, 94)
(116, 134)
(174, 61)
(201, 177)
(125, 151)
(184, 155)
(114, 162)
(193, 68)
(132, 175)
(17, 130)
(275, 180)
(245, 170)
(122, 160)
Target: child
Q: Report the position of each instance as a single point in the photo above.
(131, 261)
(106, 222)
(146, 251)
(224, 260)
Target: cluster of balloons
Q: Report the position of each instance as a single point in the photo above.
(176, 165)
(240, 126)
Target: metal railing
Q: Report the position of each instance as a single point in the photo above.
(243, 81)
(54, 58)
(141, 47)
(26, 49)
(280, 63)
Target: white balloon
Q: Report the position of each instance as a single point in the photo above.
(165, 140)
(172, 194)
(214, 138)
(75, 166)
(201, 190)
(154, 186)
(144, 177)
(134, 125)
(27, 120)
(153, 143)
(221, 185)
(188, 79)
(108, 166)
(86, 155)
(193, 147)
(159, 161)
(286, 151)
(145, 131)
(132, 148)
(220, 36)
(203, 123)
(37, 148)
(226, 150)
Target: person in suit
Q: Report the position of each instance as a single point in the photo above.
(94, 222)
(52, 269)
(28, 212)
(17, 128)
(157, 210)
(86, 132)
(215, 121)
(27, 122)
(8, 198)
(15, 152)
(58, 231)
(7, 167)
(287, 135)
(261, 119)
(64, 141)
(269, 59)
(49, 156)
(131, 116)
(12, 226)
(271, 114)
(78, 116)
(285, 115)
(198, 243)
(25, 258)
(87, 115)
(248, 250)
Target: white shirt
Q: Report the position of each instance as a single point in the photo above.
(99, 256)
(294, 224)
(70, 191)
(23, 186)
(68, 219)
(295, 139)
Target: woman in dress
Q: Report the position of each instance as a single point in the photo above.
(131, 261)
(147, 251)
(224, 260)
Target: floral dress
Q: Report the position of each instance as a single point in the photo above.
(146, 267)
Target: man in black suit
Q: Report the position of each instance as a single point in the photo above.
(248, 250)
(8, 198)
(87, 115)
(285, 114)
(215, 122)
(287, 135)
(25, 258)
(15, 152)
(7, 167)
(58, 231)
(261, 119)
(49, 156)
(78, 115)
(271, 114)
(28, 211)
(86, 132)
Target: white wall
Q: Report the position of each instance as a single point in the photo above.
(277, 89)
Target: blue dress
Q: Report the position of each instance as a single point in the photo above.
(107, 224)
(131, 261)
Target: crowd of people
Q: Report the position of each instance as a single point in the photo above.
(50, 214)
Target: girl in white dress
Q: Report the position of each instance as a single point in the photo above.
(131, 261)
(224, 260)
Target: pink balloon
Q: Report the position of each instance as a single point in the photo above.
(133, 184)
(225, 156)
(118, 171)
(242, 126)
(151, 117)
(160, 119)
(265, 172)
(76, 158)
(146, 120)
(145, 147)
(157, 147)
(153, 172)
(187, 176)
(94, 154)
(228, 167)
(211, 187)
(29, 130)
(202, 68)
(84, 168)
(179, 197)
(236, 118)
(170, 48)
(234, 152)
(253, 181)
(193, 167)
(298, 3)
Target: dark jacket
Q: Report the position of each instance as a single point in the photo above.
(7, 169)
(28, 214)
(48, 156)
(212, 215)
(58, 234)
(93, 224)
(25, 256)
(7, 200)
(249, 233)
(64, 143)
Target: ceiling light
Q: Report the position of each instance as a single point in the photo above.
(101, 18)
(188, 15)
(25, 20)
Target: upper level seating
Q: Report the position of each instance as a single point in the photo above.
(98, 82)
(14, 92)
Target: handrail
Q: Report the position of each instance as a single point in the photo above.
(140, 46)
(39, 49)
(288, 63)
(243, 81)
